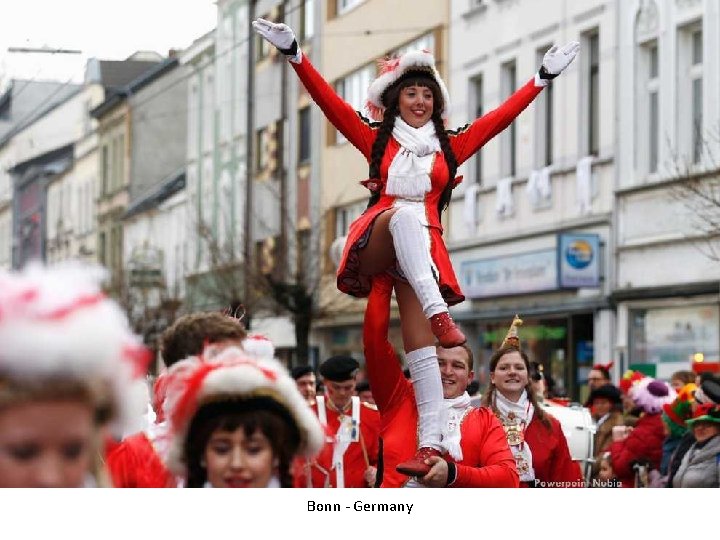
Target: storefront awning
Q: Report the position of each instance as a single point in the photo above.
(533, 311)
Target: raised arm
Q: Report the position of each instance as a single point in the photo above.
(469, 139)
(340, 113)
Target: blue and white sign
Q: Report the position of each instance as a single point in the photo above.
(579, 260)
(515, 274)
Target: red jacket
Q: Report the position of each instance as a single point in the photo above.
(362, 133)
(136, 464)
(550, 454)
(644, 443)
(487, 461)
(354, 459)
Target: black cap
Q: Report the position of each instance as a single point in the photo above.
(362, 386)
(607, 391)
(339, 368)
(711, 389)
(300, 371)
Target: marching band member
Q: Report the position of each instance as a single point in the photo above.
(478, 455)
(349, 456)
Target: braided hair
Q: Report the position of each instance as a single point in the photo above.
(392, 97)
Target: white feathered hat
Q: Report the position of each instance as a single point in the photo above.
(57, 323)
(393, 69)
(237, 375)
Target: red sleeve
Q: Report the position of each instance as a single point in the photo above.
(356, 128)
(468, 140)
(121, 465)
(497, 468)
(563, 468)
(386, 379)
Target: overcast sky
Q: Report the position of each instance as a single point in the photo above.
(104, 29)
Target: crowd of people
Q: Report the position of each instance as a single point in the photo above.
(225, 413)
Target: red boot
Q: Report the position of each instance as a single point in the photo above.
(417, 466)
(445, 330)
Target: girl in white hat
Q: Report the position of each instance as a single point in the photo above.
(237, 419)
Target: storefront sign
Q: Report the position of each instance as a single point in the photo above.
(579, 260)
(515, 274)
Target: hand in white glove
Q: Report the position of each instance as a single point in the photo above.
(279, 34)
(557, 59)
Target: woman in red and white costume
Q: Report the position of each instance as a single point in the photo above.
(535, 437)
(237, 419)
(67, 361)
(413, 161)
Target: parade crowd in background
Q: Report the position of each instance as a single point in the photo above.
(75, 409)
(74, 400)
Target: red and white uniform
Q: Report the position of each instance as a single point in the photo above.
(362, 133)
(136, 463)
(550, 453)
(319, 472)
(487, 460)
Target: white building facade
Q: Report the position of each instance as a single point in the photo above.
(666, 285)
(529, 229)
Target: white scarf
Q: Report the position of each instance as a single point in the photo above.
(273, 483)
(409, 172)
(451, 417)
(522, 413)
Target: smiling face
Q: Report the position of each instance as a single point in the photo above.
(236, 460)
(455, 373)
(510, 375)
(46, 444)
(416, 105)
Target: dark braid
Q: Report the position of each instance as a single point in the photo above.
(450, 159)
(378, 148)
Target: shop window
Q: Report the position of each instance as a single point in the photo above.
(673, 336)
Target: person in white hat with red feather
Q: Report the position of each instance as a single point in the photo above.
(68, 360)
(412, 160)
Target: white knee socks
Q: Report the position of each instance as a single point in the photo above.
(412, 248)
(425, 374)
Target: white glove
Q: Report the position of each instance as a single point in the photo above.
(279, 34)
(557, 59)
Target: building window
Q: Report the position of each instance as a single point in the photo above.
(670, 337)
(121, 161)
(696, 76)
(345, 215)
(307, 20)
(353, 89)
(102, 256)
(508, 141)
(543, 121)
(105, 170)
(304, 135)
(261, 150)
(425, 42)
(592, 113)
(690, 91)
(343, 6)
(476, 111)
(262, 46)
